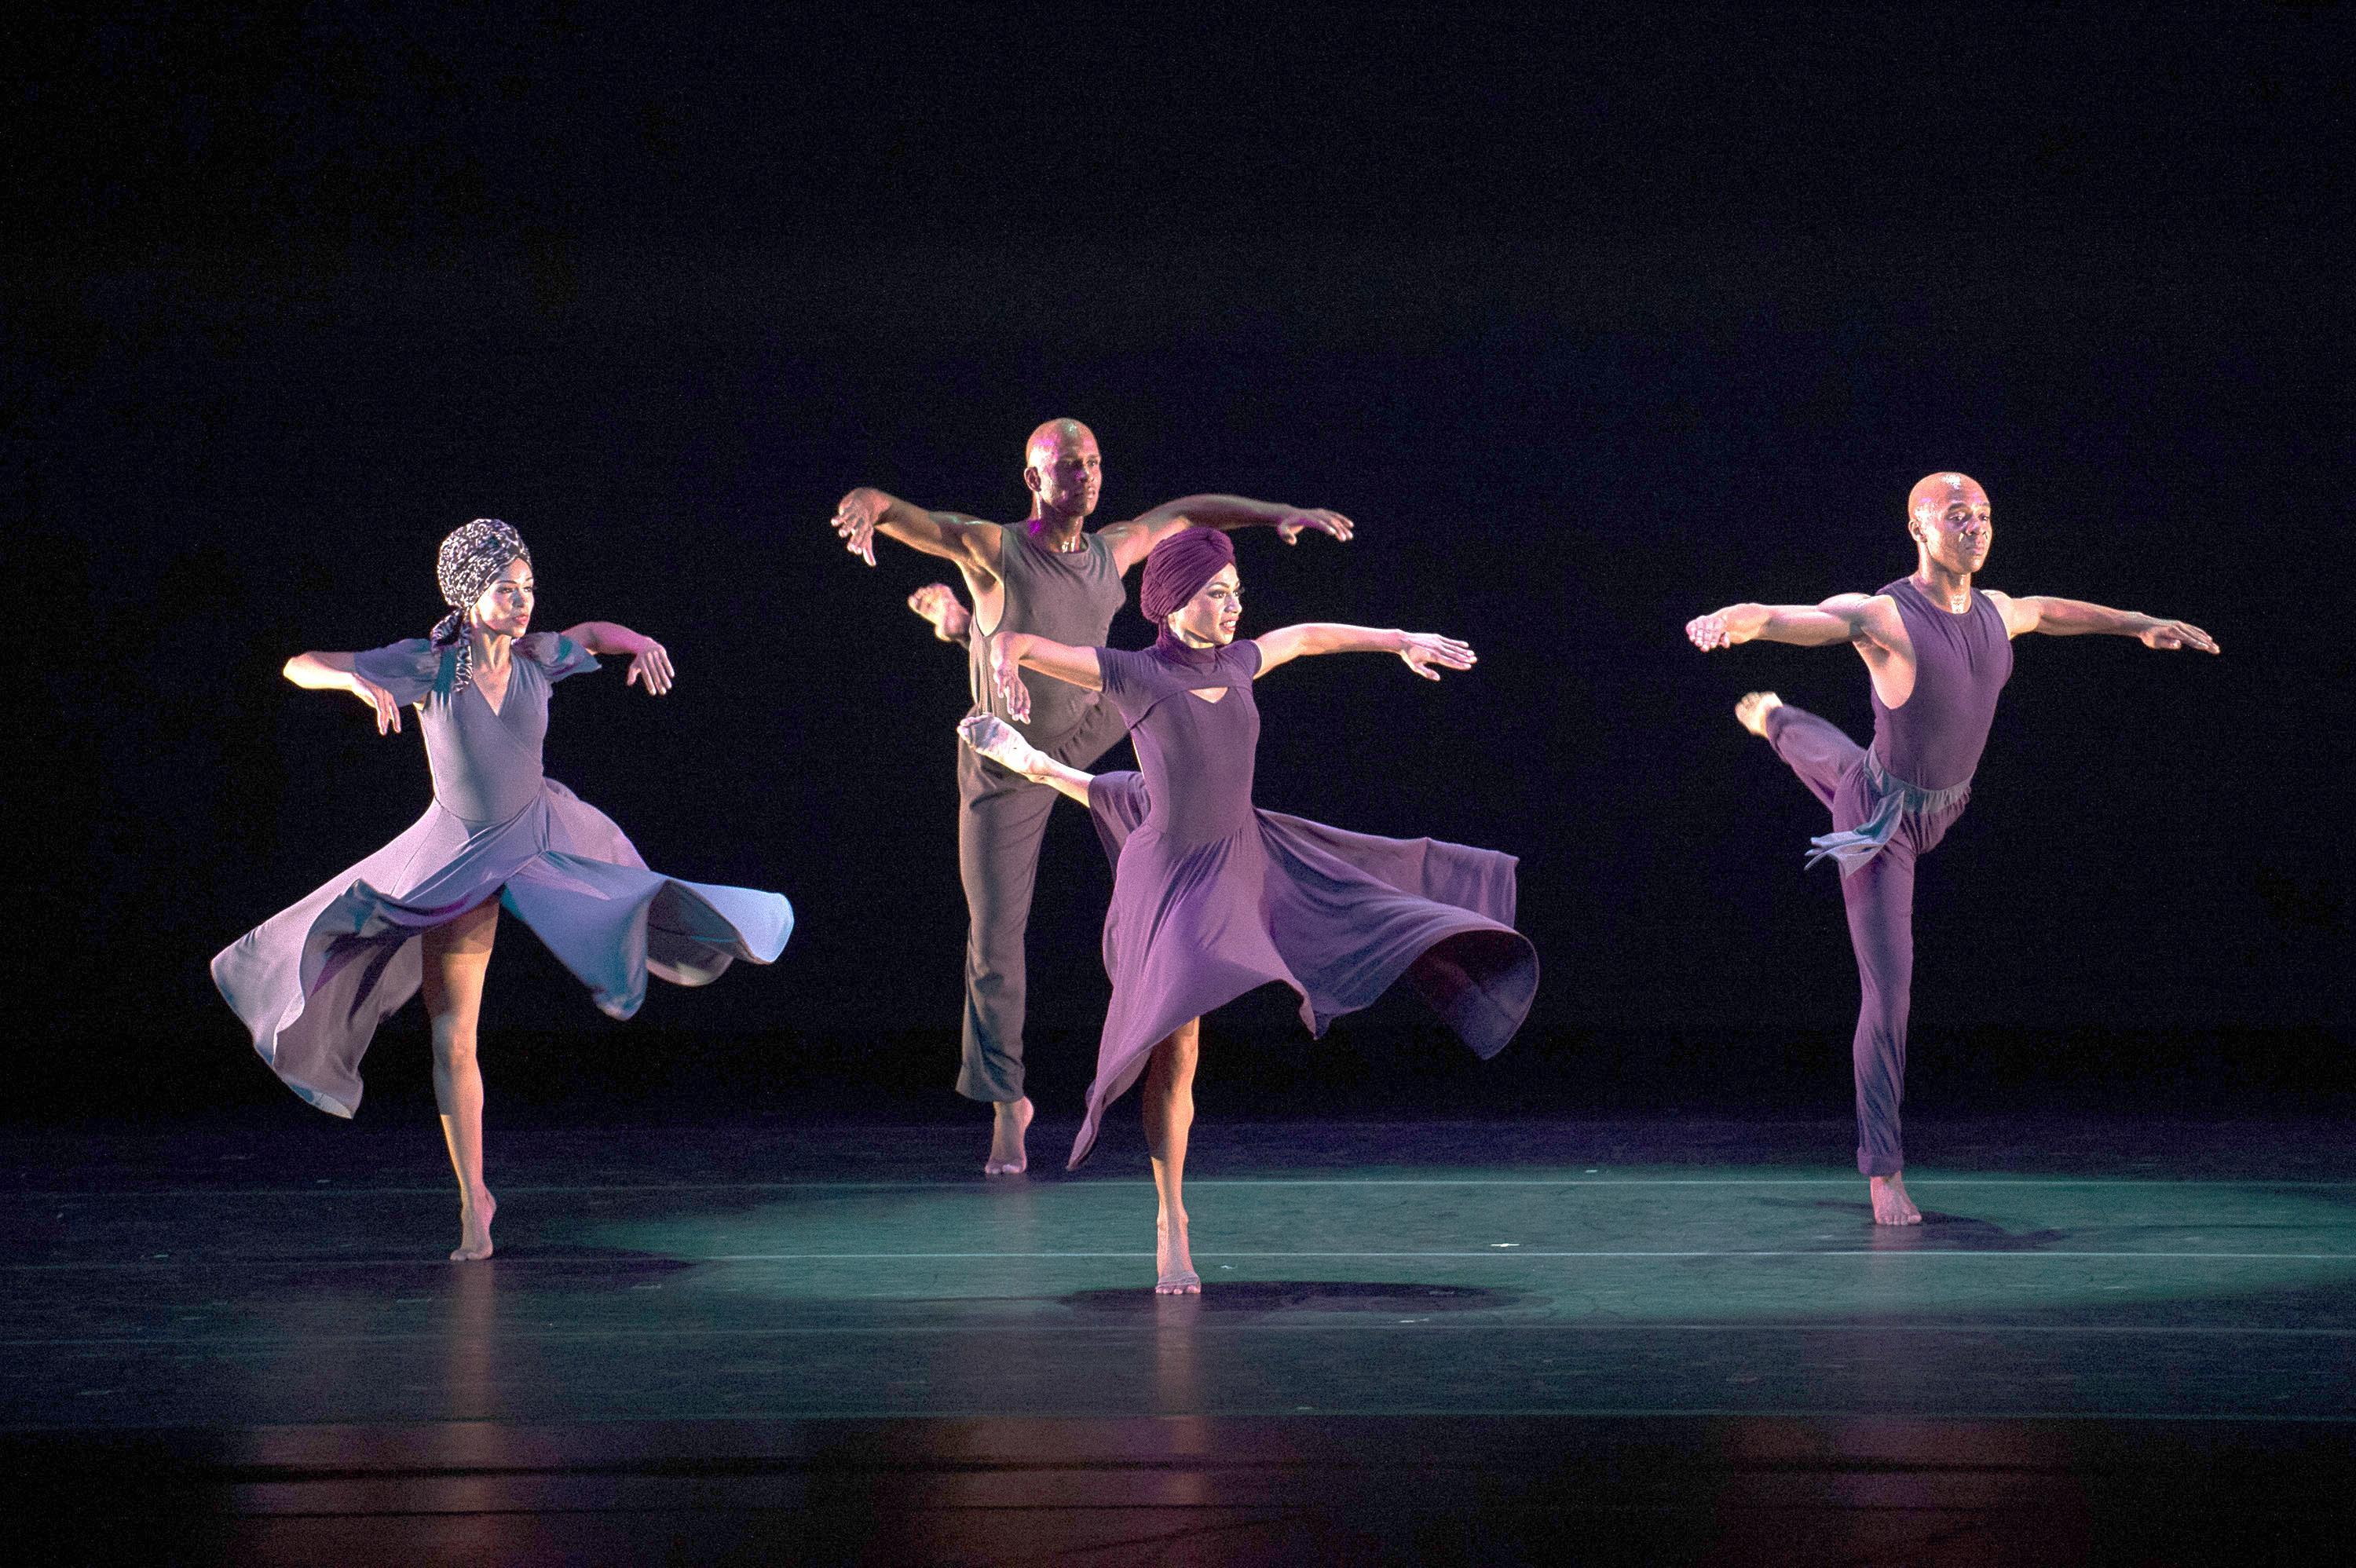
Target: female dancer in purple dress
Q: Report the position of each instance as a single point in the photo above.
(1211, 898)
(313, 982)
(1938, 652)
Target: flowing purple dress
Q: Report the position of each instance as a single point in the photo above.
(1213, 897)
(313, 982)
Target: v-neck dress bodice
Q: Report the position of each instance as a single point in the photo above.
(1213, 897)
(312, 983)
(485, 760)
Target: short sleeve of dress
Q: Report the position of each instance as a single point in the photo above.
(1247, 654)
(1113, 668)
(557, 655)
(1116, 668)
(406, 669)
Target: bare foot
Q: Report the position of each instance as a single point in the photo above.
(1007, 1154)
(1172, 1262)
(996, 739)
(1752, 710)
(474, 1227)
(1890, 1204)
(938, 602)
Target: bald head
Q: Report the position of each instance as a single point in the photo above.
(1948, 516)
(1061, 466)
(1934, 493)
(1054, 439)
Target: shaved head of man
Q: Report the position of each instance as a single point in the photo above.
(1949, 517)
(1062, 468)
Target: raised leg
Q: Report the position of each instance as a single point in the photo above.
(1881, 900)
(1169, 1116)
(457, 954)
(1815, 749)
(938, 602)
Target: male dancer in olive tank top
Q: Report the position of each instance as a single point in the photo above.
(1052, 577)
(1938, 653)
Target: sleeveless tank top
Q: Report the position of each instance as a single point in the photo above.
(1069, 597)
(1961, 663)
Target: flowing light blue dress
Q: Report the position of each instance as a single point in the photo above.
(313, 982)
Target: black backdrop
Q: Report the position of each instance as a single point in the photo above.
(1589, 331)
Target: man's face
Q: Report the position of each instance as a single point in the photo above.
(1950, 516)
(1064, 469)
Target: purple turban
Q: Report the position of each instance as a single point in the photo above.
(1178, 567)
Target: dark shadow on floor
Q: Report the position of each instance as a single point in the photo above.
(1260, 1297)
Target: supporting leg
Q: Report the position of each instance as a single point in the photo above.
(1169, 1116)
(457, 955)
(1001, 821)
(1881, 900)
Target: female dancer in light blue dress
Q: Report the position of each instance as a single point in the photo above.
(312, 983)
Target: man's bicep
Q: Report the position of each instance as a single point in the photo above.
(1871, 619)
(975, 545)
(2021, 615)
(1129, 541)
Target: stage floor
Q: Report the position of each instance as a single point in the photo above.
(2128, 1340)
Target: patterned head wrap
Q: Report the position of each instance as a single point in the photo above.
(470, 561)
(1178, 567)
(1934, 493)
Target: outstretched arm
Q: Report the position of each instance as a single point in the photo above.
(1842, 618)
(649, 660)
(970, 543)
(1422, 650)
(1017, 651)
(994, 738)
(339, 672)
(1132, 540)
(2075, 618)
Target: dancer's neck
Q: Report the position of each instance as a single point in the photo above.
(491, 649)
(1179, 648)
(1940, 586)
(1054, 531)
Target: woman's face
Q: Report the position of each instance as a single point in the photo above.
(1209, 619)
(504, 610)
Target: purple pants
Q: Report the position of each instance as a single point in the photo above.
(1881, 898)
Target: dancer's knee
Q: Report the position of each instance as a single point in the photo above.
(454, 1044)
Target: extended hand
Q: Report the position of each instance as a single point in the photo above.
(1319, 517)
(938, 602)
(1422, 650)
(996, 739)
(387, 712)
(1006, 674)
(651, 665)
(2177, 635)
(1711, 631)
(1723, 627)
(854, 522)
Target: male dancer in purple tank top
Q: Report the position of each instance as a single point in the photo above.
(1049, 576)
(1938, 652)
